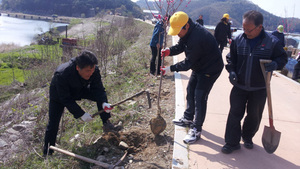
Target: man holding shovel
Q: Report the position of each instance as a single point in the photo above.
(205, 59)
(75, 80)
(249, 88)
(156, 44)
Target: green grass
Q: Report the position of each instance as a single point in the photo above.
(6, 75)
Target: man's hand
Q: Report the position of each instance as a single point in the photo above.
(107, 107)
(165, 52)
(269, 67)
(165, 70)
(86, 117)
(233, 78)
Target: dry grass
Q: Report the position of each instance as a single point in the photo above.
(8, 47)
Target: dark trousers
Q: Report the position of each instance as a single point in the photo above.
(198, 90)
(153, 66)
(221, 45)
(56, 110)
(296, 73)
(240, 100)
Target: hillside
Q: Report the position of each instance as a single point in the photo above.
(74, 8)
(213, 10)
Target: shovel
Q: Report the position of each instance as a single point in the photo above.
(270, 137)
(158, 124)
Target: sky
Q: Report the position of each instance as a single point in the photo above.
(282, 8)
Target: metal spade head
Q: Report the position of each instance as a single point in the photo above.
(270, 139)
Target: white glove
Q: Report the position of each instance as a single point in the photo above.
(107, 107)
(165, 70)
(86, 117)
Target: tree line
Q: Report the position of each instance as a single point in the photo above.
(75, 8)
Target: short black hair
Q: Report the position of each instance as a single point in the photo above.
(86, 58)
(254, 16)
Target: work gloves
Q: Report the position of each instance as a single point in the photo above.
(165, 70)
(165, 52)
(107, 107)
(86, 117)
(269, 67)
(233, 78)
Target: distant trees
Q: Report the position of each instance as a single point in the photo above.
(71, 7)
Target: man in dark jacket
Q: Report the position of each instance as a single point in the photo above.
(200, 20)
(75, 80)
(223, 31)
(156, 45)
(205, 60)
(249, 89)
(279, 34)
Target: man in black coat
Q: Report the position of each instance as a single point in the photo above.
(249, 89)
(223, 31)
(200, 20)
(75, 80)
(205, 60)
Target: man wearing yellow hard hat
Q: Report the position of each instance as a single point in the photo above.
(279, 34)
(205, 60)
(222, 32)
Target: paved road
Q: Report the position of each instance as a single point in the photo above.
(206, 152)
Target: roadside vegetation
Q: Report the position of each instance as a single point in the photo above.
(121, 46)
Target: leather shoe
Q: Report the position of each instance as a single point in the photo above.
(248, 144)
(227, 148)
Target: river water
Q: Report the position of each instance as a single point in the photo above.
(22, 31)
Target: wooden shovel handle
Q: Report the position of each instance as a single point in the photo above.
(267, 77)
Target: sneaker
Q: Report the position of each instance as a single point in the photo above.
(108, 126)
(227, 148)
(182, 122)
(192, 136)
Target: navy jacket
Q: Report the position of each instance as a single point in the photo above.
(222, 31)
(201, 51)
(245, 63)
(158, 31)
(280, 37)
(67, 86)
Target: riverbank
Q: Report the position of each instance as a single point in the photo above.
(53, 18)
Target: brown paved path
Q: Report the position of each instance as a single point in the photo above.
(206, 152)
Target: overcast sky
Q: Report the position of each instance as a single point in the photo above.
(282, 8)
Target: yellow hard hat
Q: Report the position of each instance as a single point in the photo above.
(280, 28)
(177, 21)
(226, 15)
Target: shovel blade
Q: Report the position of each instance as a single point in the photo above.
(158, 125)
(270, 139)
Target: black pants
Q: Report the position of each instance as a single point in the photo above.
(56, 110)
(153, 66)
(240, 100)
(296, 73)
(221, 45)
(198, 90)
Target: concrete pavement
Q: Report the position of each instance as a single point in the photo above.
(206, 152)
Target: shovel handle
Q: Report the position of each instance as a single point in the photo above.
(128, 98)
(267, 77)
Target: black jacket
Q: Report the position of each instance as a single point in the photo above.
(201, 51)
(200, 21)
(67, 86)
(280, 37)
(222, 31)
(245, 63)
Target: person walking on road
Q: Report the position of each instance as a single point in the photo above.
(205, 60)
(75, 80)
(249, 89)
(200, 20)
(279, 34)
(223, 31)
(156, 44)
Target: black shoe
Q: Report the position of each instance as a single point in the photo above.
(108, 126)
(248, 144)
(182, 122)
(227, 149)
